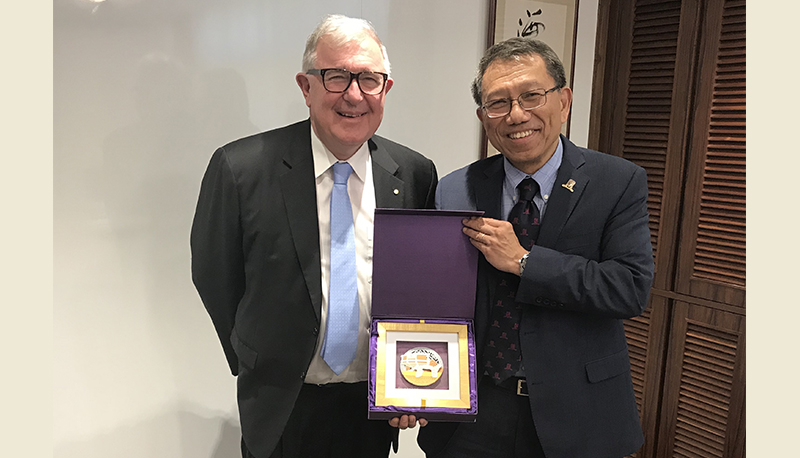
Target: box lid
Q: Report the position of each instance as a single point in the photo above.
(423, 266)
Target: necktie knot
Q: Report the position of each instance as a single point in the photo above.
(527, 188)
(341, 172)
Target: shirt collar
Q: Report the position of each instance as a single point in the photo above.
(545, 176)
(324, 159)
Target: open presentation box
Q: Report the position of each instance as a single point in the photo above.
(422, 347)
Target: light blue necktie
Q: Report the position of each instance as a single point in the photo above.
(341, 332)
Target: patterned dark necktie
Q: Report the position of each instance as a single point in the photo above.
(502, 354)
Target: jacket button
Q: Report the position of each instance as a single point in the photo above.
(560, 304)
(538, 300)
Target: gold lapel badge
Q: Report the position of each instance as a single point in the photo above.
(569, 185)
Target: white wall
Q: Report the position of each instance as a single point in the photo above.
(144, 91)
(584, 72)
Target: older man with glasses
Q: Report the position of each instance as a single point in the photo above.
(566, 256)
(282, 253)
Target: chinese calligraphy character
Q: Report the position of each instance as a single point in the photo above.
(531, 28)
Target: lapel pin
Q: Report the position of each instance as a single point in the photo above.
(396, 191)
(569, 185)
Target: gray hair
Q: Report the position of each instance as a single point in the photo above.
(515, 48)
(341, 30)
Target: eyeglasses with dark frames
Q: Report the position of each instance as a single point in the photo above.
(339, 80)
(527, 101)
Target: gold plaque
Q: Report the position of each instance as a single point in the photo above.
(422, 365)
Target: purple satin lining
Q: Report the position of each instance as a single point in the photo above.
(429, 413)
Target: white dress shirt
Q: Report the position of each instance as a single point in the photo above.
(361, 189)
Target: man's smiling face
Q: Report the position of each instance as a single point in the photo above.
(526, 138)
(344, 121)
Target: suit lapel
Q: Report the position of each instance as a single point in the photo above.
(389, 190)
(487, 184)
(300, 198)
(567, 190)
(485, 180)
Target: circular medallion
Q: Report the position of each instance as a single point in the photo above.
(421, 366)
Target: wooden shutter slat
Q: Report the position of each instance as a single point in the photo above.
(649, 99)
(700, 430)
(705, 389)
(637, 332)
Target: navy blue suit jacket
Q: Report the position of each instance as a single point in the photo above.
(256, 264)
(591, 267)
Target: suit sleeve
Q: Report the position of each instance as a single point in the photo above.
(216, 246)
(616, 285)
(430, 200)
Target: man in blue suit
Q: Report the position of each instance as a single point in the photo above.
(555, 282)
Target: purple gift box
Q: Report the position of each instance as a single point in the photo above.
(423, 302)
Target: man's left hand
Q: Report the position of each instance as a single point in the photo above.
(497, 241)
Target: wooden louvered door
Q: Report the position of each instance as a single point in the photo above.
(703, 406)
(712, 265)
(669, 95)
(704, 382)
(638, 82)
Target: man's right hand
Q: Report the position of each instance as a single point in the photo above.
(497, 241)
(407, 421)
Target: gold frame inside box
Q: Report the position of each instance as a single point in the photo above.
(417, 401)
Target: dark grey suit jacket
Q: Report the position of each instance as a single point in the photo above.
(256, 265)
(591, 267)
